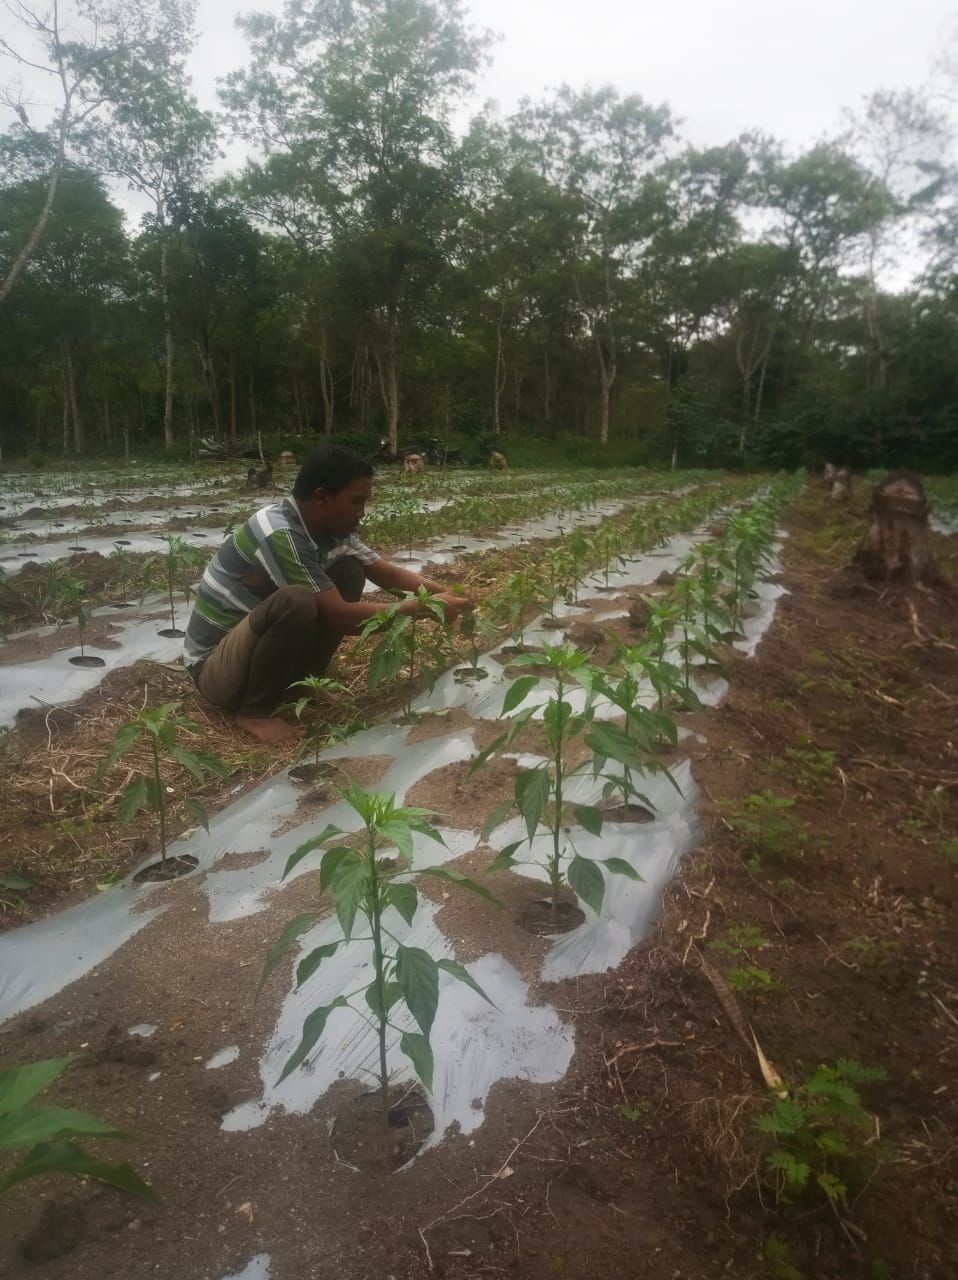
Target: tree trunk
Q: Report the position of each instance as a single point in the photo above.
(209, 383)
(547, 389)
(252, 412)
(78, 441)
(168, 343)
(896, 546)
(500, 378)
(233, 396)
(326, 385)
(66, 407)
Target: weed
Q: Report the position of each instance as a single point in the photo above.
(819, 1130)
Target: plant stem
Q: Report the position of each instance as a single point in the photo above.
(380, 980)
(555, 873)
(160, 802)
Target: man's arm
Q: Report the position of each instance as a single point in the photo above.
(344, 615)
(393, 577)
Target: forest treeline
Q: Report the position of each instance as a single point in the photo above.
(576, 271)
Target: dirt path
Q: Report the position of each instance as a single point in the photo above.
(643, 1160)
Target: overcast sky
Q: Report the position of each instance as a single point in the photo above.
(723, 65)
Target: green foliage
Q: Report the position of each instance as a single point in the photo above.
(318, 691)
(47, 1133)
(740, 938)
(821, 1136)
(754, 980)
(159, 729)
(400, 644)
(404, 988)
(767, 825)
(540, 793)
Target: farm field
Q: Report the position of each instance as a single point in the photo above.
(674, 853)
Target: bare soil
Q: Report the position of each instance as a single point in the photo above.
(644, 1161)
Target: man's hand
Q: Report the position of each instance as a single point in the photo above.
(453, 604)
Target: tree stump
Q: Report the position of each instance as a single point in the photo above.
(838, 483)
(896, 546)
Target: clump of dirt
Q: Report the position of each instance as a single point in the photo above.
(61, 1227)
(463, 800)
(117, 1046)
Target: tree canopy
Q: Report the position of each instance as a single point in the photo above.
(576, 271)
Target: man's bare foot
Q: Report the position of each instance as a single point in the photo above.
(272, 732)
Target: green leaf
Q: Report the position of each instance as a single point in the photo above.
(399, 834)
(419, 1051)
(585, 879)
(517, 692)
(29, 1125)
(19, 1085)
(404, 898)
(308, 847)
(496, 818)
(309, 964)
(313, 1027)
(479, 760)
(188, 760)
(349, 884)
(532, 795)
(418, 977)
(133, 798)
(154, 792)
(619, 867)
(198, 811)
(291, 931)
(461, 974)
(126, 735)
(332, 861)
(67, 1157)
(391, 993)
(456, 877)
(613, 743)
(504, 859)
(590, 818)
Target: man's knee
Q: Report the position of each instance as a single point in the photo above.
(348, 575)
(292, 606)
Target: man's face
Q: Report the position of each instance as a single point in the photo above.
(339, 513)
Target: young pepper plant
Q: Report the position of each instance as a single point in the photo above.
(158, 728)
(362, 883)
(541, 793)
(319, 690)
(398, 645)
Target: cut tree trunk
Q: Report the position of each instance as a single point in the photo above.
(838, 484)
(896, 546)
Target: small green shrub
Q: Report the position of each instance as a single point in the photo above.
(819, 1131)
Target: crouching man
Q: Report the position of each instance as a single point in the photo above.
(283, 590)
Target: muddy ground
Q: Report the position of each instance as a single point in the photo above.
(832, 893)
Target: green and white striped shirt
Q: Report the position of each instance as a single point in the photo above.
(273, 542)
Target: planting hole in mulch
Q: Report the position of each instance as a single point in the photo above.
(171, 633)
(540, 919)
(87, 660)
(122, 542)
(314, 771)
(172, 869)
(554, 624)
(469, 675)
(628, 813)
(515, 650)
(357, 1130)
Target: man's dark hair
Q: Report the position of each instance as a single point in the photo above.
(331, 468)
